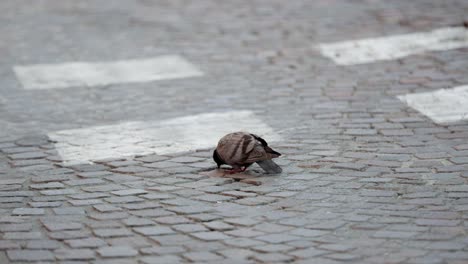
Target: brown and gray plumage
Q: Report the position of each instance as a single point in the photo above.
(241, 149)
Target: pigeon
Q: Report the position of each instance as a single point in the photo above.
(242, 149)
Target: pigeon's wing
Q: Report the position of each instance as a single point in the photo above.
(257, 154)
(234, 148)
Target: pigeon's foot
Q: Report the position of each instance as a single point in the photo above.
(235, 170)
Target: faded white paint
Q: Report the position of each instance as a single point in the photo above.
(442, 106)
(72, 74)
(161, 137)
(394, 47)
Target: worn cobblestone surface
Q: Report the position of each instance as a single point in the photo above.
(366, 179)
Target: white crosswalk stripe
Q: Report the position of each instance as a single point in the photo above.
(73, 74)
(442, 106)
(176, 135)
(394, 47)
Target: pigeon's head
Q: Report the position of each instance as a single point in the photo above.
(219, 161)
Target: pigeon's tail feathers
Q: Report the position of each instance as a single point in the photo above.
(273, 153)
(270, 166)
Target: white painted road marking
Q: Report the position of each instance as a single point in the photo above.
(442, 106)
(394, 47)
(176, 135)
(72, 74)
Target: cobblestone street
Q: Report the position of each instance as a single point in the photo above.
(110, 111)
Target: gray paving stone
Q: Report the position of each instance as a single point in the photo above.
(74, 254)
(45, 204)
(218, 226)
(236, 255)
(85, 202)
(202, 256)
(123, 199)
(277, 238)
(121, 178)
(244, 232)
(273, 257)
(337, 247)
(244, 221)
(308, 253)
(58, 192)
(21, 227)
(445, 245)
(210, 236)
(81, 182)
(131, 169)
(28, 155)
(91, 195)
(190, 209)
(271, 228)
(156, 196)
(16, 194)
(342, 257)
(28, 211)
(49, 185)
(22, 235)
(11, 199)
(189, 228)
(59, 226)
(167, 259)
(69, 234)
(93, 174)
(153, 230)
(30, 255)
(68, 211)
(151, 212)
(50, 178)
(214, 198)
(90, 242)
(172, 240)
(394, 234)
(307, 232)
(102, 188)
(106, 208)
(108, 216)
(43, 244)
(172, 220)
(14, 219)
(437, 222)
(5, 244)
(129, 192)
(117, 252)
(158, 250)
(186, 159)
(112, 232)
(140, 205)
(131, 241)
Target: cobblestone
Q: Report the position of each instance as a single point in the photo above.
(30, 255)
(43, 244)
(153, 230)
(210, 236)
(117, 252)
(28, 211)
(59, 226)
(202, 256)
(74, 254)
(112, 232)
(22, 235)
(90, 242)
